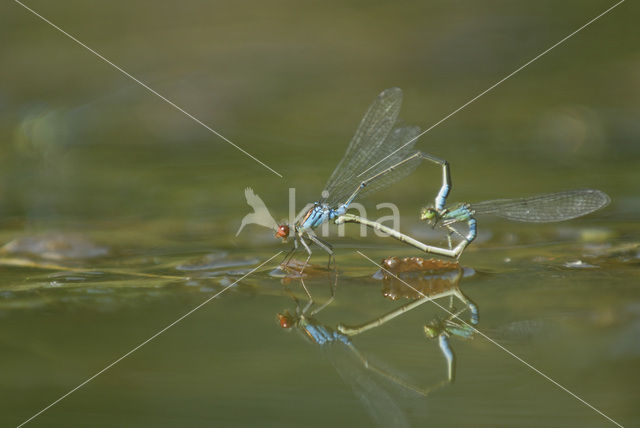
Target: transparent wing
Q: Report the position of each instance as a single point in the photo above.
(379, 403)
(546, 208)
(392, 169)
(365, 146)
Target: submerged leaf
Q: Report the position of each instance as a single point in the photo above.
(416, 277)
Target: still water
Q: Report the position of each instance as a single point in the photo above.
(119, 215)
(570, 308)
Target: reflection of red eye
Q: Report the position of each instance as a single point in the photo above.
(285, 320)
(283, 231)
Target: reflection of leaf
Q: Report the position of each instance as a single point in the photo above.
(417, 264)
(215, 261)
(426, 277)
(291, 270)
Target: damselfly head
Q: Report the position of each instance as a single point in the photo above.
(431, 331)
(286, 320)
(282, 232)
(429, 214)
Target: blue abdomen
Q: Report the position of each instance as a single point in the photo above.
(322, 335)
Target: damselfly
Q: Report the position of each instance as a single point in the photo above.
(546, 208)
(378, 141)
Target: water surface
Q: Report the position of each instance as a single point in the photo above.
(132, 211)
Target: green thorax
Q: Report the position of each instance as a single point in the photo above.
(460, 212)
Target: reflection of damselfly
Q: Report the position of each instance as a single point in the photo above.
(439, 328)
(537, 209)
(325, 336)
(443, 329)
(369, 382)
(430, 279)
(378, 140)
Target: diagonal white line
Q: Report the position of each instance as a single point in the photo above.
(138, 81)
(148, 340)
(496, 84)
(494, 342)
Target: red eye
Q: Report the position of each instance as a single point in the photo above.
(283, 231)
(285, 320)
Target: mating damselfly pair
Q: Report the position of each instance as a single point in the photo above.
(381, 153)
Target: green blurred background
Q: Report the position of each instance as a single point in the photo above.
(289, 84)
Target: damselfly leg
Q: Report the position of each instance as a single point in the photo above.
(287, 257)
(325, 246)
(297, 269)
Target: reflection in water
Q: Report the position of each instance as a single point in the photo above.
(216, 261)
(291, 269)
(70, 267)
(431, 279)
(443, 329)
(412, 277)
(365, 378)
